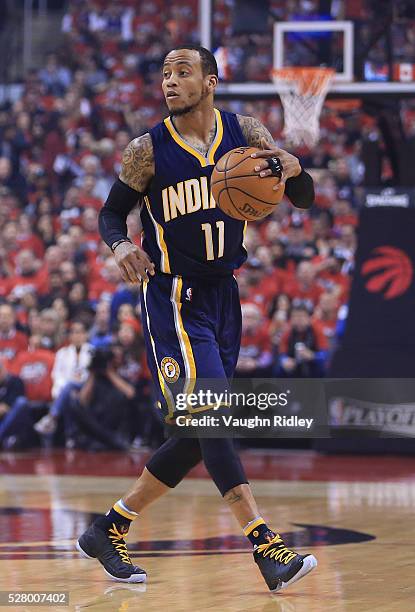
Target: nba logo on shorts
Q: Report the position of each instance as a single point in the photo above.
(189, 294)
(170, 369)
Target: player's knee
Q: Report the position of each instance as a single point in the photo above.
(222, 463)
(174, 459)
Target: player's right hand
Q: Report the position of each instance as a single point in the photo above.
(133, 262)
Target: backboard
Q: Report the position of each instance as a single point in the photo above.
(368, 62)
(322, 43)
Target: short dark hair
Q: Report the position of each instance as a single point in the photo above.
(77, 322)
(303, 305)
(207, 59)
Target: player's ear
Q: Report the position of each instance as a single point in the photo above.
(212, 82)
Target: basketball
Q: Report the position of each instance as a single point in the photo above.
(239, 191)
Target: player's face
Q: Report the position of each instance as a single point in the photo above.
(183, 84)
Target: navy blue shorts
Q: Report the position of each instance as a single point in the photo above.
(192, 330)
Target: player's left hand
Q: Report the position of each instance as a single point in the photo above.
(290, 163)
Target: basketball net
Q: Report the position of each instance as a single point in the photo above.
(302, 92)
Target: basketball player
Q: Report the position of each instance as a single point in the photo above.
(190, 305)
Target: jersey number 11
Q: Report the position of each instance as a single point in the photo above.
(207, 228)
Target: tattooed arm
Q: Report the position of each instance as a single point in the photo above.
(299, 186)
(258, 136)
(137, 170)
(254, 131)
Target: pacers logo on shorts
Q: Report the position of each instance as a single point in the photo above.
(170, 369)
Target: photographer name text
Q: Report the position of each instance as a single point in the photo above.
(248, 423)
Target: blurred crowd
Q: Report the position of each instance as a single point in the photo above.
(72, 364)
(384, 37)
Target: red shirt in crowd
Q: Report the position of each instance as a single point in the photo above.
(327, 326)
(95, 267)
(270, 286)
(256, 344)
(91, 241)
(330, 280)
(12, 344)
(35, 369)
(89, 201)
(100, 287)
(33, 243)
(4, 286)
(294, 290)
(36, 283)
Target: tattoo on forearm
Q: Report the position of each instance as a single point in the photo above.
(254, 131)
(138, 163)
(232, 497)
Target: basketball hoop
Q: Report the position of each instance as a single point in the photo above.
(302, 92)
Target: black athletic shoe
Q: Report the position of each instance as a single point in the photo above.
(279, 565)
(110, 549)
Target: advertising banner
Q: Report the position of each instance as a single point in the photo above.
(379, 337)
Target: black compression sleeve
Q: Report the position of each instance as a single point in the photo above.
(112, 221)
(300, 190)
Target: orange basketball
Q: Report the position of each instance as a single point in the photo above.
(239, 191)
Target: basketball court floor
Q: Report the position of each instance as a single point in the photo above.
(356, 514)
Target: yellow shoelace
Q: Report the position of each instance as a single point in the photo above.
(280, 553)
(121, 546)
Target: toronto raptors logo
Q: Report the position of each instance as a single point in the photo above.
(390, 271)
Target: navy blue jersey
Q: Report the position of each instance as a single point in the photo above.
(184, 232)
